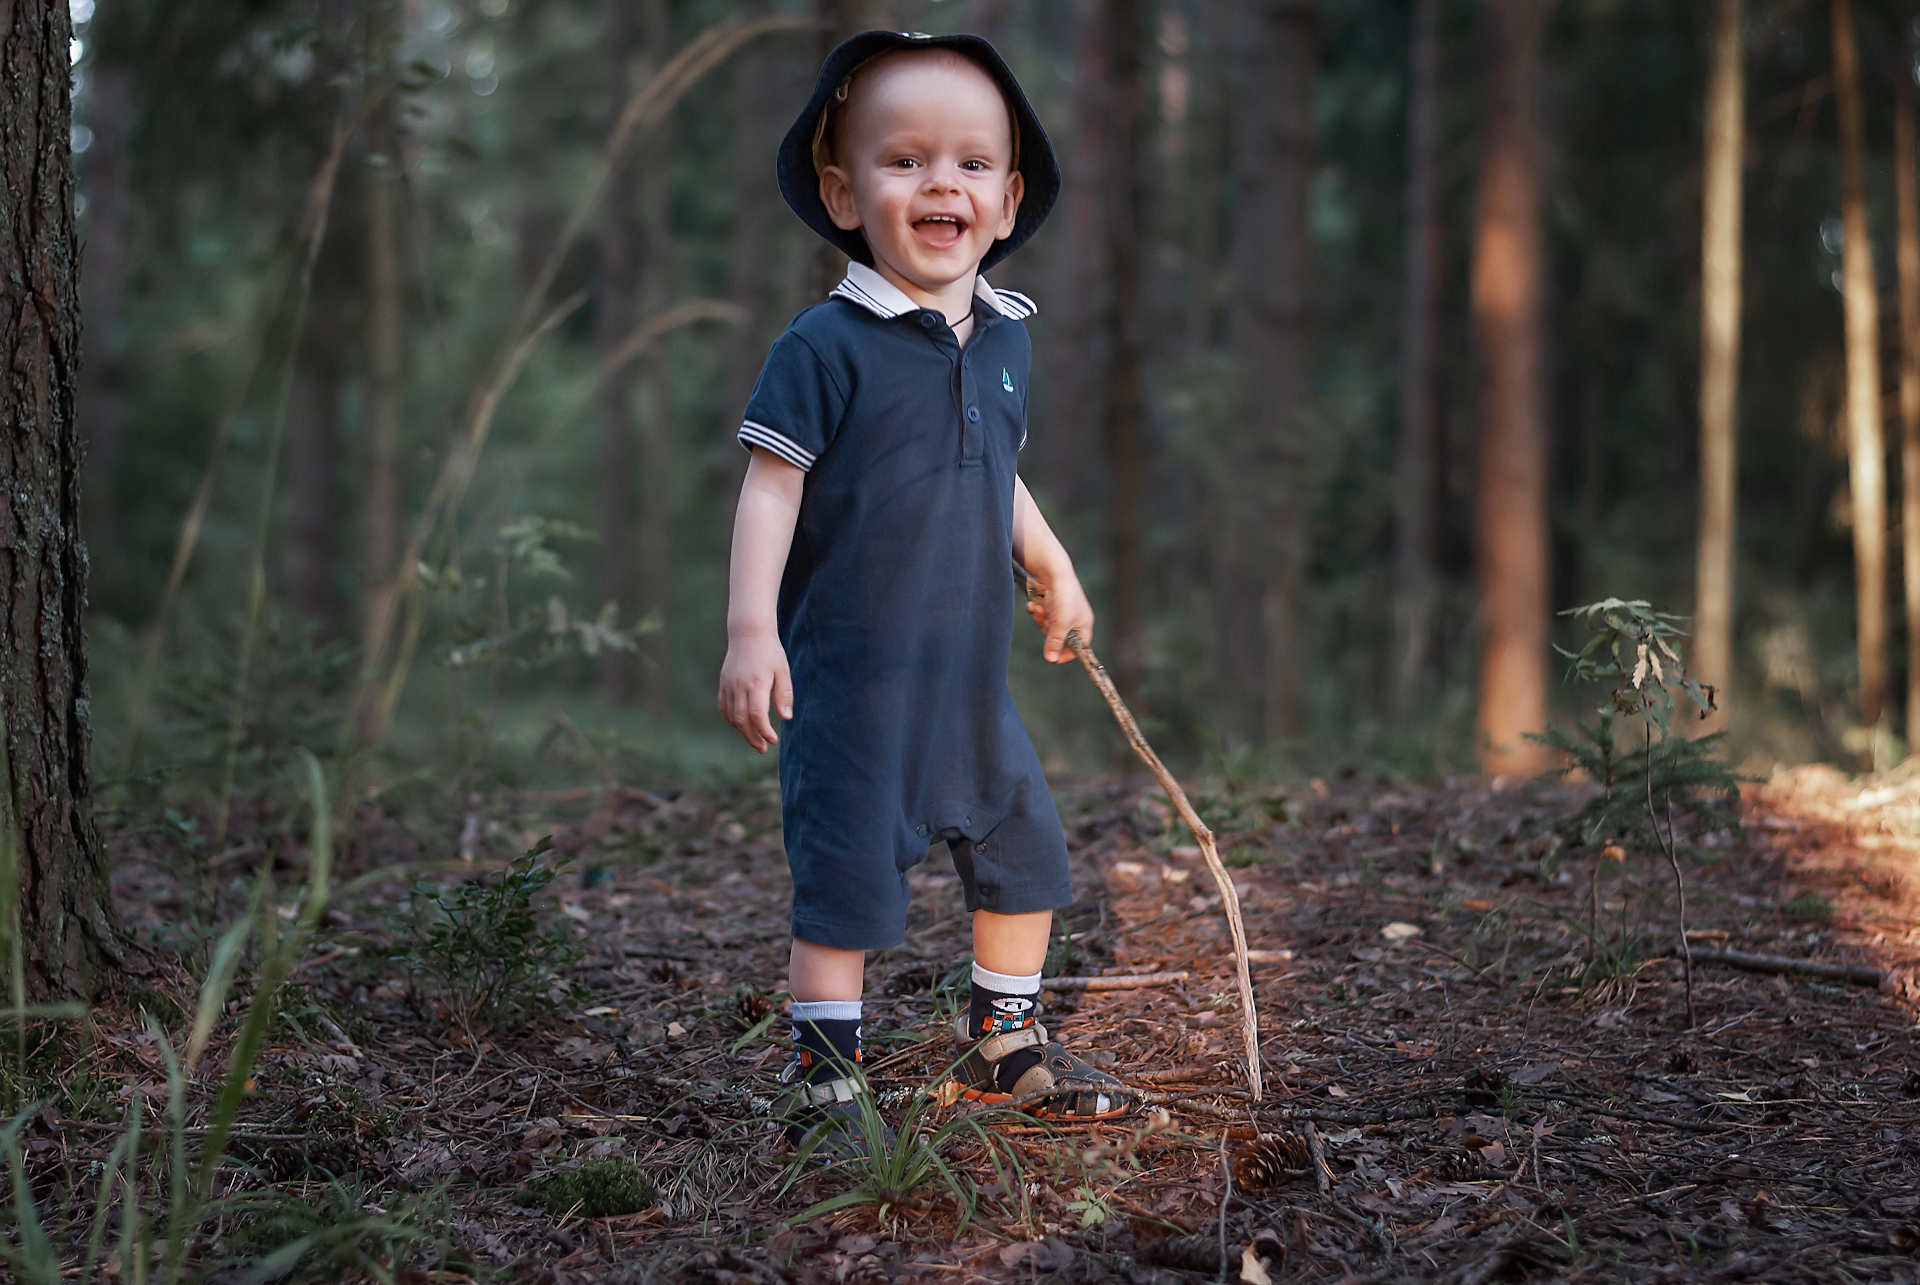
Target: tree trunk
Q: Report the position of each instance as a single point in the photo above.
(1720, 350)
(1419, 324)
(1073, 398)
(1259, 587)
(749, 264)
(1126, 423)
(382, 414)
(316, 492)
(1907, 188)
(612, 320)
(1511, 508)
(1865, 449)
(105, 183)
(657, 465)
(66, 924)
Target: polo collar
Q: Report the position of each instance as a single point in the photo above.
(865, 286)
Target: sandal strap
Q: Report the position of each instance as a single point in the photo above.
(994, 1047)
(827, 1092)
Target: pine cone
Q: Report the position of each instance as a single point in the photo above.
(751, 1005)
(1460, 1166)
(1271, 1160)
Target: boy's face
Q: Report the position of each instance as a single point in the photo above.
(924, 167)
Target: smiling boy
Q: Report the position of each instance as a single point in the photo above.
(871, 598)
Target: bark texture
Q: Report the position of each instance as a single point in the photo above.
(1907, 190)
(613, 317)
(65, 914)
(104, 175)
(1413, 577)
(1865, 447)
(1126, 419)
(1720, 258)
(1262, 559)
(314, 520)
(656, 365)
(1510, 506)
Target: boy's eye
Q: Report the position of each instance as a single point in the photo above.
(906, 163)
(973, 165)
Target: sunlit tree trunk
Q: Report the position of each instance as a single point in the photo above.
(66, 925)
(381, 503)
(1865, 449)
(1720, 258)
(1074, 398)
(612, 320)
(1414, 482)
(1907, 188)
(1510, 507)
(104, 175)
(1126, 419)
(657, 469)
(1259, 587)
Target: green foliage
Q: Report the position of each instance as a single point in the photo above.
(894, 1165)
(335, 1233)
(479, 949)
(1808, 905)
(597, 1189)
(1633, 648)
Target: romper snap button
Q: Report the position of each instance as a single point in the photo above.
(980, 847)
(973, 414)
(921, 831)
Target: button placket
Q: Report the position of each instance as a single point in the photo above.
(972, 438)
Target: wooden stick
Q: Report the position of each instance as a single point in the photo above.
(1229, 899)
(1127, 982)
(1858, 974)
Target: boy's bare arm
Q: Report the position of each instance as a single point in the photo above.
(755, 670)
(1063, 606)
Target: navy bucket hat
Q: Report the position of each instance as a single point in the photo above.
(800, 181)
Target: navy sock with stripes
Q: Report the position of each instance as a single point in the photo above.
(1002, 1002)
(826, 1038)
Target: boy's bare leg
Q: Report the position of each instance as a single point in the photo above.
(817, 973)
(1014, 944)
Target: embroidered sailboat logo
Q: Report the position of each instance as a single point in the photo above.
(1006, 380)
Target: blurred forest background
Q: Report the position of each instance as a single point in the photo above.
(359, 474)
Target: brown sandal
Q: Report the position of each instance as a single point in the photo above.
(1059, 1087)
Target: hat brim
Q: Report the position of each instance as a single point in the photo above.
(800, 182)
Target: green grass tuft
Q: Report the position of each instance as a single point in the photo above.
(597, 1189)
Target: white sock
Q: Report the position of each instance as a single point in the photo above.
(827, 1010)
(1004, 983)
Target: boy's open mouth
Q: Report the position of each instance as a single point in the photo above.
(940, 230)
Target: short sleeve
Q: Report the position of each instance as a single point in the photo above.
(796, 406)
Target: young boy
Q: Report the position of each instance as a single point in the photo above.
(872, 583)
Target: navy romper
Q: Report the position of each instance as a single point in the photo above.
(896, 610)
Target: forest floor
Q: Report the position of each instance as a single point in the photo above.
(1480, 1092)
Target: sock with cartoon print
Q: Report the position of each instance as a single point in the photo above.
(1004, 1002)
(826, 1039)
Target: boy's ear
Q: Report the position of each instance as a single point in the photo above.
(836, 193)
(1010, 208)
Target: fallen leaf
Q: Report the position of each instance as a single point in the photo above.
(1400, 930)
(674, 1028)
(1744, 1095)
(1252, 1271)
(1335, 1091)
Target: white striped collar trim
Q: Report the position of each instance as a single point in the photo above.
(865, 286)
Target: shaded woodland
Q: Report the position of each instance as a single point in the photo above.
(382, 898)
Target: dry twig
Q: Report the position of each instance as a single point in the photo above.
(1229, 899)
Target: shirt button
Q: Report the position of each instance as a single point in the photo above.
(973, 414)
(927, 320)
(922, 832)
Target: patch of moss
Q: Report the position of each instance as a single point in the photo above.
(1808, 905)
(597, 1189)
(160, 1006)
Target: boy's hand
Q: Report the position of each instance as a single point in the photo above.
(755, 671)
(1061, 608)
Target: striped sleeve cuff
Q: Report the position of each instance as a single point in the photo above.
(752, 435)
